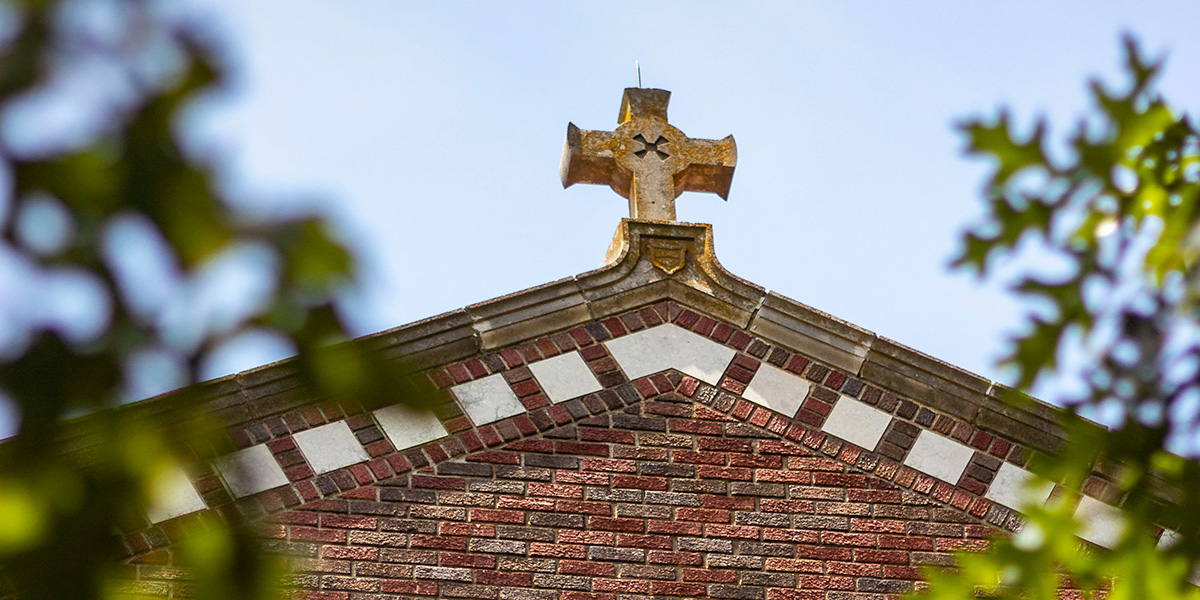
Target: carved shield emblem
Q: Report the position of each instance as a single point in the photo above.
(669, 258)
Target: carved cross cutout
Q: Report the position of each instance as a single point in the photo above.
(648, 147)
(646, 159)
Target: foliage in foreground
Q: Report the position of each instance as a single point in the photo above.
(114, 241)
(1110, 235)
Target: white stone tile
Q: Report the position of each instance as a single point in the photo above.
(172, 495)
(251, 471)
(406, 427)
(939, 456)
(564, 377)
(777, 390)
(669, 346)
(1009, 488)
(488, 399)
(1100, 523)
(330, 447)
(857, 422)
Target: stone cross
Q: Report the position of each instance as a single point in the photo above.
(646, 159)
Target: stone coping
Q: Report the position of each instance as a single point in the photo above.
(932, 417)
(649, 262)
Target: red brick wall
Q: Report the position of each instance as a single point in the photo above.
(661, 487)
(666, 498)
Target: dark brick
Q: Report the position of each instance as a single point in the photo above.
(884, 586)
(925, 417)
(770, 490)
(767, 549)
(524, 473)
(673, 498)
(769, 579)
(551, 461)
(528, 534)
(705, 545)
(606, 553)
(662, 572)
(465, 469)
(737, 592)
(562, 582)
(666, 470)
(390, 494)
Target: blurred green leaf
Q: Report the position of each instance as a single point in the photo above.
(1123, 212)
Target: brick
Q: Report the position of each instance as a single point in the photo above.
(705, 545)
(710, 575)
(611, 524)
(738, 592)
(504, 578)
(418, 588)
(798, 565)
(722, 561)
(497, 516)
(443, 573)
(562, 582)
(516, 563)
(497, 546)
(556, 520)
(578, 567)
(468, 529)
(604, 553)
(767, 549)
(556, 550)
(674, 558)
(477, 561)
(783, 594)
(624, 586)
(671, 588)
(586, 537)
(769, 579)
(633, 540)
(522, 533)
(526, 594)
(704, 515)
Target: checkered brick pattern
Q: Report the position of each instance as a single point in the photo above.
(663, 484)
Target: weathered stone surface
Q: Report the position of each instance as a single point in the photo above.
(1022, 419)
(428, 342)
(671, 347)
(646, 159)
(649, 261)
(812, 332)
(250, 471)
(488, 399)
(564, 377)
(173, 496)
(406, 427)
(330, 447)
(528, 314)
(939, 456)
(856, 422)
(1008, 487)
(776, 389)
(939, 385)
(1102, 524)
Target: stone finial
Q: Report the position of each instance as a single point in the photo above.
(646, 159)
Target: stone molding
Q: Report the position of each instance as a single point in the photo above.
(649, 264)
(632, 279)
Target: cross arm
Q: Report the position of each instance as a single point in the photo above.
(710, 165)
(590, 157)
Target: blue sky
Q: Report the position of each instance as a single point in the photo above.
(431, 132)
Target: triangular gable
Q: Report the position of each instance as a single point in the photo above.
(526, 364)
